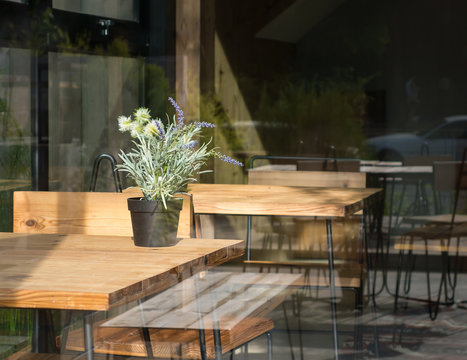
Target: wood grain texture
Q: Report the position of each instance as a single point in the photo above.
(43, 356)
(90, 213)
(277, 200)
(308, 178)
(87, 272)
(166, 343)
(185, 221)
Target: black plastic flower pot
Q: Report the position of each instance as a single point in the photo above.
(153, 225)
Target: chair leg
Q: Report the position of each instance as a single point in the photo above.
(453, 281)
(289, 335)
(299, 321)
(398, 278)
(433, 306)
(408, 274)
(332, 288)
(269, 335)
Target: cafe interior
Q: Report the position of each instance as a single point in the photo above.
(329, 220)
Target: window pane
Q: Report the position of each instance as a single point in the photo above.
(15, 128)
(115, 9)
(87, 95)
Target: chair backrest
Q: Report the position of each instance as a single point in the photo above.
(89, 213)
(426, 160)
(451, 175)
(307, 178)
(447, 174)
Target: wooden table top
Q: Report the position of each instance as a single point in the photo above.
(84, 272)
(232, 199)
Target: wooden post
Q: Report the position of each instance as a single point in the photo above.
(188, 53)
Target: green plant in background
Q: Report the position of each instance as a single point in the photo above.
(166, 157)
(156, 87)
(310, 117)
(224, 134)
(14, 154)
(211, 110)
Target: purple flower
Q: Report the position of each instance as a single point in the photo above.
(204, 124)
(180, 116)
(160, 128)
(229, 160)
(191, 145)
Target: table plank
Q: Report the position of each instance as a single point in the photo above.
(254, 200)
(85, 272)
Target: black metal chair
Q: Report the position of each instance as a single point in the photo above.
(435, 234)
(95, 171)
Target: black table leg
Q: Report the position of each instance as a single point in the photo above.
(332, 287)
(248, 238)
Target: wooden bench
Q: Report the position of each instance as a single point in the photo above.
(231, 303)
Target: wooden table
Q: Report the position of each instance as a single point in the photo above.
(258, 200)
(90, 273)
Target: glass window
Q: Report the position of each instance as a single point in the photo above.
(358, 82)
(114, 9)
(455, 130)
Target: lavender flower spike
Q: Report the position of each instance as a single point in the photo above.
(160, 128)
(229, 160)
(191, 145)
(180, 116)
(204, 124)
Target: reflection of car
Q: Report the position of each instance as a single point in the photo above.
(446, 138)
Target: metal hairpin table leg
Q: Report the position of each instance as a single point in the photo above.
(43, 334)
(88, 335)
(147, 342)
(332, 286)
(248, 238)
(202, 333)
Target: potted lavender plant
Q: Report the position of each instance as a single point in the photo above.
(165, 158)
